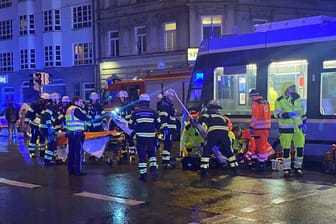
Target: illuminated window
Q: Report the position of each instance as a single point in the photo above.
(27, 59)
(329, 64)
(114, 43)
(170, 36)
(27, 24)
(8, 93)
(231, 86)
(287, 71)
(6, 30)
(141, 40)
(82, 16)
(83, 54)
(211, 26)
(6, 62)
(52, 20)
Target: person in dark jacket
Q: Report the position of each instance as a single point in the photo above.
(12, 115)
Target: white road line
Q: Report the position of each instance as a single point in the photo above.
(251, 208)
(217, 219)
(109, 198)
(17, 183)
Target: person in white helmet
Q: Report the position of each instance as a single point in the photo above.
(168, 127)
(144, 121)
(55, 98)
(96, 113)
(124, 110)
(33, 117)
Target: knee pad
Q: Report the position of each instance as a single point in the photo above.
(286, 153)
(299, 152)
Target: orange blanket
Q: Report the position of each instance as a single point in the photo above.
(63, 140)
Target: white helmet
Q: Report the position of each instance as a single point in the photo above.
(45, 96)
(170, 92)
(122, 93)
(54, 96)
(94, 96)
(144, 97)
(65, 99)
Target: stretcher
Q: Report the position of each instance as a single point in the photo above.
(97, 144)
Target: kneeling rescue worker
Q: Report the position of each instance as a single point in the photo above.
(218, 136)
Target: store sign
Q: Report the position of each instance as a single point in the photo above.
(192, 54)
(4, 79)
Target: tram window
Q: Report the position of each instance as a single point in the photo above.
(196, 86)
(231, 85)
(286, 71)
(328, 93)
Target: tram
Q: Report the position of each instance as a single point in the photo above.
(300, 50)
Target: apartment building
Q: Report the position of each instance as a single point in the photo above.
(54, 38)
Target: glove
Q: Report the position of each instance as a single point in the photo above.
(251, 131)
(304, 128)
(292, 114)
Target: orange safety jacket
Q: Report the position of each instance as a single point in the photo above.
(261, 114)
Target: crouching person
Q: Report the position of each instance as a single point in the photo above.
(218, 137)
(144, 121)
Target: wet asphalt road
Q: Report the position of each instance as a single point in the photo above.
(31, 193)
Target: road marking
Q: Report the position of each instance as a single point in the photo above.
(109, 198)
(217, 219)
(251, 208)
(17, 183)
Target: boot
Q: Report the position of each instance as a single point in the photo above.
(143, 177)
(203, 173)
(234, 171)
(298, 172)
(286, 173)
(153, 172)
(260, 167)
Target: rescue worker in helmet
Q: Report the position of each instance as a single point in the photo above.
(191, 140)
(260, 127)
(125, 110)
(217, 138)
(145, 123)
(291, 114)
(33, 118)
(168, 127)
(159, 101)
(66, 102)
(95, 113)
(55, 98)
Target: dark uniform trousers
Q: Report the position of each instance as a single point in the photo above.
(76, 139)
(146, 146)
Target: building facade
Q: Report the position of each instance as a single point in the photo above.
(136, 38)
(53, 38)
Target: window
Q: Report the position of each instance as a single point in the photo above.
(140, 33)
(82, 17)
(83, 54)
(52, 20)
(8, 94)
(231, 86)
(27, 25)
(328, 91)
(287, 71)
(5, 3)
(27, 59)
(6, 30)
(88, 88)
(6, 62)
(170, 36)
(114, 43)
(211, 26)
(52, 56)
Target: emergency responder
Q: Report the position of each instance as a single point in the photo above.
(191, 140)
(96, 113)
(168, 127)
(33, 117)
(290, 111)
(49, 119)
(144, 121)
(66, 102)
(159, 101)
(55, 98)
(260, 127)
(75, 123)
(217, 137)
(125, 110)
